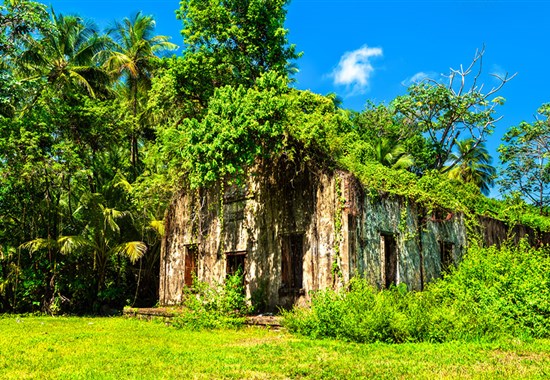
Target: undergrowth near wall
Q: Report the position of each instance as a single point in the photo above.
(492, 294)
(214, 306)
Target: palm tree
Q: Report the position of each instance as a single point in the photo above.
(392, 154)
(65, 56)
(336, 99)
(134, 50)
(473, 165)
(100, 237)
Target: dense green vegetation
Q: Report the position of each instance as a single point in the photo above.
(98, 130)
(117, 348)
(492, 294)
(207, 306)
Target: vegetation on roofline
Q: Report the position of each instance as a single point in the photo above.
(270, 121)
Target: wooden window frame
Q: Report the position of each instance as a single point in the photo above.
(190, 263)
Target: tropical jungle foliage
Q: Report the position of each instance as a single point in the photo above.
(98, 130)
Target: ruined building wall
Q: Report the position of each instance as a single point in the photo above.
(495, 232)
(294, 230)
(396, 243)
(282, 214)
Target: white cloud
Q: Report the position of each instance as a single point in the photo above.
(418, 77)
(354, 69)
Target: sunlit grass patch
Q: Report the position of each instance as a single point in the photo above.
(119, 348)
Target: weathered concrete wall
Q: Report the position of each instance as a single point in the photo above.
(495, 231)
(341, 231)
(278, 201)
(418, 240)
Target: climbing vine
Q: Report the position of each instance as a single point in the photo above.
(221, 216)
(403, 226)
(338, 228)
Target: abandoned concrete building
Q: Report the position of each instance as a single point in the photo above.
(293, 230)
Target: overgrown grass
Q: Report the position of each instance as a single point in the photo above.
(493, 294)
(118, 348)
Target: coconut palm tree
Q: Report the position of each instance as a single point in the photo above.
(392, 154)
(66, 55)
(474, 165)
(131, 59)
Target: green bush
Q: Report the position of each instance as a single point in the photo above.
(492, 294)
(214, 306)
(506, 290)
(362, 314)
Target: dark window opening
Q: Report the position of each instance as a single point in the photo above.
(190, 272)
(352, 240)
(235, 264)
(446, 252)
(292, 266)
(389, 257)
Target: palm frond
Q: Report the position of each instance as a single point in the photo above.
(39, 244)
(69, 244)
(157, 226)
(122, 183)
(471, 163)
(78, 78)
(134, 250)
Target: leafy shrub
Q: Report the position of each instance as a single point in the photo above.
(214, 306)
(508, 289)
(493, 293)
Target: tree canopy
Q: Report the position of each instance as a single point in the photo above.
(448, 113)
(242, 38)
(526, 156)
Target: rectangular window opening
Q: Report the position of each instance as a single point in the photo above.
(235, 262)
(446, 251)
(191, 252)
(388, 245)
(292, 266)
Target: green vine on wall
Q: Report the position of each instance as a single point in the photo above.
(338, 228)
(221, 216)
(403, 226)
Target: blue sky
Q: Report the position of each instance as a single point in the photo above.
(371, 49)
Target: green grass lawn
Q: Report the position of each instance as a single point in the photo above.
(118, 348)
